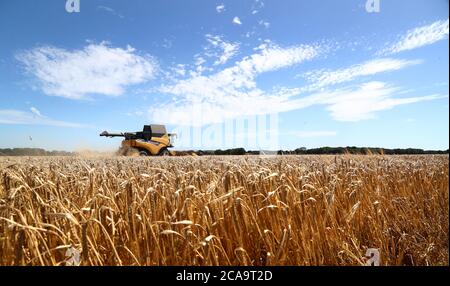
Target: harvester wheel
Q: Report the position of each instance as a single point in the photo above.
(164, 152)
(143, 153)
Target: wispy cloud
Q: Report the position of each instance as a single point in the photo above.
(257, 6)
(324, 78)
(264, 23)
(167, 43)
(353, 104)
(420, 36)
(237, 21)
(220, 8)
(226, 49)
(35, 111)
(111, 11)
(178, 70)
(231, 92)
(95, 69)
(12, 116)
(216, 52)
(208, 103)
(349, 104)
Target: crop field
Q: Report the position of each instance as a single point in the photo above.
(230, 210)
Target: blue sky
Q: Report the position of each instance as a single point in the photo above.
(322, 73)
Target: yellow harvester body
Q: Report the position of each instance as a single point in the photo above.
(153, 147)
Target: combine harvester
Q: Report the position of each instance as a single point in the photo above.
(152, 141)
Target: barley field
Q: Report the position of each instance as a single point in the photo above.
(248, 210)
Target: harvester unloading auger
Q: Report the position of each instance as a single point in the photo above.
(152, 141)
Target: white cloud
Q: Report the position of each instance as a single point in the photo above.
(256, 6)
(272, 57)
(264, 23)
(11, 116)
(323, 78)
(95, 69)
(166, 43)
(216, 52)
(199, 60)
(220, 8)
(179, 69)
(349, 104)
(237, 21)
(231, 92)
(35, 111)
(110, 10)
(359, 103)
(249, 34)
(420, 36)
(313, 134)
(227, 49)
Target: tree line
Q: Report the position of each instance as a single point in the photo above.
(32, 152)
(325, 150)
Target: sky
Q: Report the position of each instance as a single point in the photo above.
(258, 74)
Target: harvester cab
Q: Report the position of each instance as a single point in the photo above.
(153, 140)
